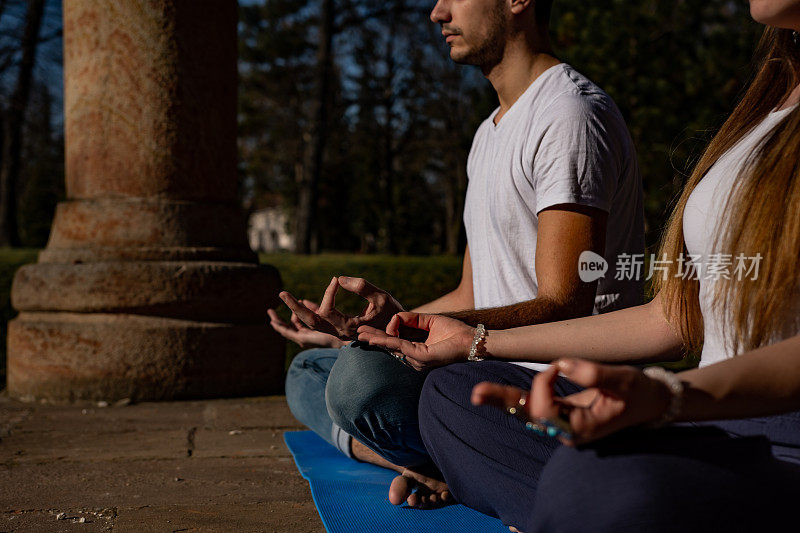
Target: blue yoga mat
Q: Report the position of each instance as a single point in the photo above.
(352, 497)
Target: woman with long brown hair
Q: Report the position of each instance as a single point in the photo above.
(727, 280)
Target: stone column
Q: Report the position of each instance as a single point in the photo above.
(147, 288)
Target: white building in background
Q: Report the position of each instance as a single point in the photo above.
(266, 231)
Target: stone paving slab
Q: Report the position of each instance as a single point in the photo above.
(217, 465)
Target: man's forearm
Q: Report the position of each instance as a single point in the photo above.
(450, 302)
(536, 311)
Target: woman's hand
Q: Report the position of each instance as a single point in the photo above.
(449, 340)
(616, 397)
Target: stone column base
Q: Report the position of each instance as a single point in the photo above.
(71, 356)
(144, 330)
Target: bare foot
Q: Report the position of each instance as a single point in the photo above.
(366, 455)
(430, 492)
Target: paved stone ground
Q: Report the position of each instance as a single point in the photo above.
(218, 465)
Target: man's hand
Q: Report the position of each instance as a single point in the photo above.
(381, 306)
(297, 332)
(615, 397)
(448, 339)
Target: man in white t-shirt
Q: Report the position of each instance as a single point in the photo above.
(552, 173)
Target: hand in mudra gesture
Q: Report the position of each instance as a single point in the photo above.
(449, 340)
(296, 331)
(380, 308)
(614, 398)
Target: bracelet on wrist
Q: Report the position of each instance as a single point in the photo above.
(675, 387)
(478, 344)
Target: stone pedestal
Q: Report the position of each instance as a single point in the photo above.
(147, 288)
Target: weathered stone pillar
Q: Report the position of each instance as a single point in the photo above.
(147, 288)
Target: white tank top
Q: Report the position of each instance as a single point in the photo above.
(701, 225)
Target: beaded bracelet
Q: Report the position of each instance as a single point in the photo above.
(480, 336)
(558, 427)
(675, 386)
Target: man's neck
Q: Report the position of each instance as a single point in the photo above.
(523, 61)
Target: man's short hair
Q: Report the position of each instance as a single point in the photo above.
(543, 10)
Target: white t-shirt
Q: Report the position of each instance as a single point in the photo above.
(562, 142)
(702, 221)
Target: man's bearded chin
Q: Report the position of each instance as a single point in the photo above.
(489, 53)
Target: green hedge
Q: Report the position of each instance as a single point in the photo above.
(412, 280)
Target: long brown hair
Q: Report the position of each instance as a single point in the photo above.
(763, 213)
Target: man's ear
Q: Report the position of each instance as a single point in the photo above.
(518, 6)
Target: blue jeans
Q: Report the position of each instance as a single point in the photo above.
(359, 391)
(305, 394)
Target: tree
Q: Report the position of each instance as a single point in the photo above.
(675, 70)
(13, 126)
(285, 93)
(41, 184)
(414, 114)
(305, 237)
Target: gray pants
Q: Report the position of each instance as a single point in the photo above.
(360, 391)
